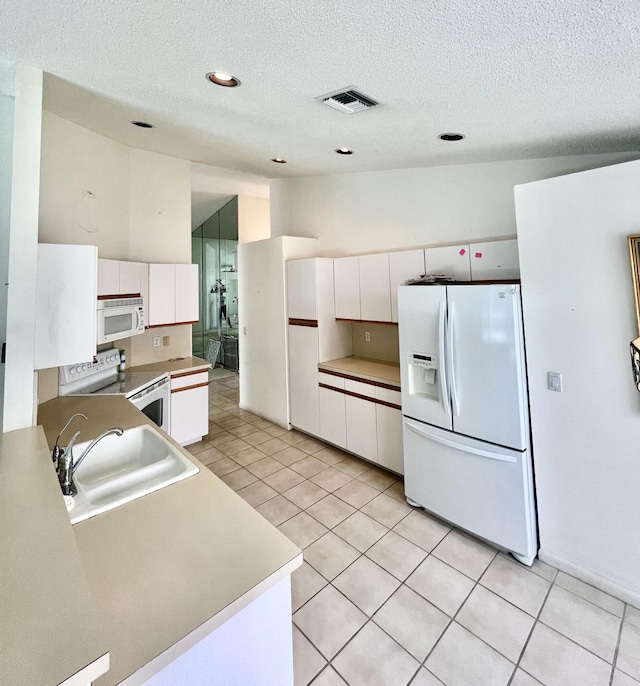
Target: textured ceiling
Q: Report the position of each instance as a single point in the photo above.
(523, 78)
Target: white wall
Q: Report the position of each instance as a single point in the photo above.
(254, 223)
(84, 195)
(579, 318)
(19, 388)
(379, 211)
(159, 208)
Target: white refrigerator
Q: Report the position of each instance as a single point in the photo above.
(467, 449)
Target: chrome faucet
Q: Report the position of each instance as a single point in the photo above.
(66, 465)
(57, 450)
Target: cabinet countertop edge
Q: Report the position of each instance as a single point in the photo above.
(365, 369)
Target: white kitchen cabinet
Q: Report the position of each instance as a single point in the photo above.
(375, 289)
(404, 265)
(66, 293)
(189, 412)
(389, 433)
(303, 379)
(333, 426)
(451, 260)
(302, 289)
(347, 287)
(494, 260)
(132, 278)
(361, 427)
(117, 277)
(187, 303)
(108, 277)
(162, 289)
(173, 294)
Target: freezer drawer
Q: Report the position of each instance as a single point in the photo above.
(485, 489)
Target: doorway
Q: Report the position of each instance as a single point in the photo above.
(214, 247)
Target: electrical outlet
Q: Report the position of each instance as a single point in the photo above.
(367, 336)
(165, 340)
(156, 341)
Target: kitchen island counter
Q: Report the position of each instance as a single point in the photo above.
(169, 568)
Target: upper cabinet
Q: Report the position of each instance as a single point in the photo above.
(452, 260)
(116, 277)
(347, 287)
(186, 297)
(405, 265)
(173, 294)
(494, 260)
(375, 290)
(302, 288)
(66, 296)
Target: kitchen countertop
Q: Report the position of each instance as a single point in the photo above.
(164, 565)
(50, 627)
(184, 364)
(365, 369)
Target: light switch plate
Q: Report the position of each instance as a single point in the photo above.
(554, 381)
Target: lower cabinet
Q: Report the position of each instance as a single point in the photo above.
(361, 422)
(368, 424)
(189, 419)
(303, 379)
(389, 432)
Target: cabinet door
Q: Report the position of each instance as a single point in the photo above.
(389, 428)
(108, 277)
(347, 283)
(332, 417)
(187, 303)
(408, 264)
(304, 404)
(361, 427)
(375, 290)
(162, 299)
(65, 326)
(131, 277)
(302, 289)
(189, 420)
(451, 260)
(494, 260)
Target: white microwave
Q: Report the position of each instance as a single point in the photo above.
(119, 318)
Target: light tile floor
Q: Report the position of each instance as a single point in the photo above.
(388, 595)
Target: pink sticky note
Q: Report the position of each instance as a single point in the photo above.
(462, 251)
(478, 254)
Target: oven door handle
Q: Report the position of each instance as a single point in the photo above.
(149, 389)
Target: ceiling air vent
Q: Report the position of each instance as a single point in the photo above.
(348, 100)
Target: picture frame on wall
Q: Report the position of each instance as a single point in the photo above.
(634, 255)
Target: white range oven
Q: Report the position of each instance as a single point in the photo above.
(148, 391)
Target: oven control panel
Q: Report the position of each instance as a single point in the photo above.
(104, 361)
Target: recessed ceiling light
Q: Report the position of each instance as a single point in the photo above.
(278, 160)
(344, 151)
(142, 124)
(221, 78)
(450, 136)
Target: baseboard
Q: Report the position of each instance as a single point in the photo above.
(588, 577)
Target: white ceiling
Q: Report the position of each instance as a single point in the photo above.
(523, 78)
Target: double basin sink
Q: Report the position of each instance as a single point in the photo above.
(120, 469)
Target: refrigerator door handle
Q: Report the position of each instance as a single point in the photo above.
(444, 390)
(450, 361)
(459, 446)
